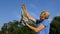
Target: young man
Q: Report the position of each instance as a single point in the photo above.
(42, 24)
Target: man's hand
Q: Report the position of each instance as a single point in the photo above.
(27, 14)
(25, 20)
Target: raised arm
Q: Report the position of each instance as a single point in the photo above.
(31, 18)
(27, 14)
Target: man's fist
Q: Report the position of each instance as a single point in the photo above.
(24, 19)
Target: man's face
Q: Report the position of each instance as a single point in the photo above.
(42, 16)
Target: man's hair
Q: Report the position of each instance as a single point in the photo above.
(47, 14)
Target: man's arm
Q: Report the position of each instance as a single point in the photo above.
(31, 18)
(41, 26)
(27, 14)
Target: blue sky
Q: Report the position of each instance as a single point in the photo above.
(11, 9)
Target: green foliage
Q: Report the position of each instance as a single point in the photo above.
(15, 27)
(55, 25)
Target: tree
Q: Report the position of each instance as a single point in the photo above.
(55, 25)
(16, 27)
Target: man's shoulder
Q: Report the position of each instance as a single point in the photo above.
(46, 22)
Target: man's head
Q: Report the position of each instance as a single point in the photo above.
(44, 15)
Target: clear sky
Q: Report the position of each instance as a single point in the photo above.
(11, 9)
